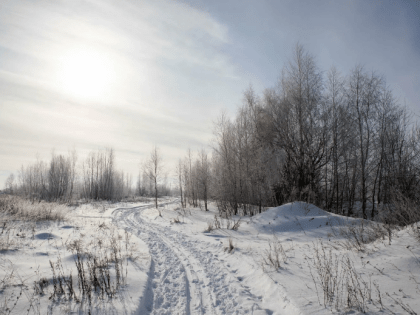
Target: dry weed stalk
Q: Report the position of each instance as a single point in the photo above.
(358, 235)
(230, 223)
(274, 255)
(176, 220)
(338, 281)
(209, 228)
(404, 306)
(101, 268)
(230, 246)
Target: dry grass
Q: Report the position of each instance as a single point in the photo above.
(220, 223)
(274, 256)
(19, 217)
(176, 220)
(337, 282)
(101, 269)
(230, 247)
(17, 208)
(210, 227)
(358, 236)
(100, 266)
(340, 286)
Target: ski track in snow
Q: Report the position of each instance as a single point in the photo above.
(186, 278)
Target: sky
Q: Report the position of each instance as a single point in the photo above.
(131, 75)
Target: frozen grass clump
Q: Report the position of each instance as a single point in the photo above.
(337, 282)
(17, 208)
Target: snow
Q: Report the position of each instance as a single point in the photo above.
(29, 261)
(178, 268)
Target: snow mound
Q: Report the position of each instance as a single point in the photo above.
(297, 216)
(298, 208)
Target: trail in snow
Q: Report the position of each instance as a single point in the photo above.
(186, 277)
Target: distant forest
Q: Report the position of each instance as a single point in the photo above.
(341, 142)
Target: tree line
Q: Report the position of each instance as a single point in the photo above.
(343, 143)
(62, 179)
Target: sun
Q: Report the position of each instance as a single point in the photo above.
(86, 73)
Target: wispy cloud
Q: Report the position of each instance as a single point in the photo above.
(170, 76)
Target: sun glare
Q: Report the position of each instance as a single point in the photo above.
(86, 74)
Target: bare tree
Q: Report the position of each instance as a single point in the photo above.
(73, 172)
(191, 191)
(58, 177)
(33, 181)
(99, 176)
(181, 181)
(299, 125)
(226, 167)
(364, 93)
(154, 170)
(9, 185)
(203, 176)
(335, 102)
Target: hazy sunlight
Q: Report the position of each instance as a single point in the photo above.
(86, 73)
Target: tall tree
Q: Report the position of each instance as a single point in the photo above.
(299, 125)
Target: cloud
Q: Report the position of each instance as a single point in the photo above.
(171, 76)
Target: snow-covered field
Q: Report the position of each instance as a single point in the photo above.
(293, 259)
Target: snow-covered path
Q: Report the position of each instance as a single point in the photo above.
(186, 276)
